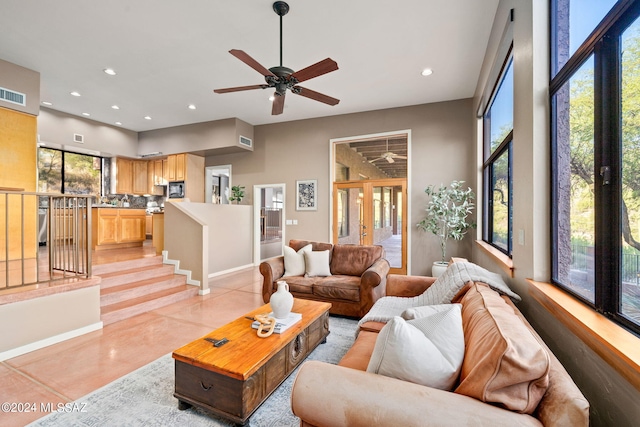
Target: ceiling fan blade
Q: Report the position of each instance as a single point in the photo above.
(278, 104)
(239, 88)
(390, 160)
(317, 96)
(319, 68)
(244, 57)
(375, 160)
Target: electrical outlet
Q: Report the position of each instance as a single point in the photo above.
(295, 222)
(289, 222)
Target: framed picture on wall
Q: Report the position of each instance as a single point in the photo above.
(307, 195)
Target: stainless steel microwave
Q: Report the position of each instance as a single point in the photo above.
(176, 190)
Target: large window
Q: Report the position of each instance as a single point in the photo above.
(69, 173)
(595, 100)
(498, 142)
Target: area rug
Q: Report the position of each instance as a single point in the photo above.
(145, 397)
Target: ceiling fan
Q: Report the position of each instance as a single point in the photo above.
(282, 78)
(388, 156)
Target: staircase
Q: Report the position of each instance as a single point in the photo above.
(136, 286)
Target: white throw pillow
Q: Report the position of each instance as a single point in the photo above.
(294, 264)
(317, 263)
(427, 350)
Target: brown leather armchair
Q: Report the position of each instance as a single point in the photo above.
(358, 277)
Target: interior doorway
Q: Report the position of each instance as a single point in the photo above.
(370, 187)
(269, 215)
(217, 184)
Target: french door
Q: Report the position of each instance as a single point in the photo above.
(373, 212)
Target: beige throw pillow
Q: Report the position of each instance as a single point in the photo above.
(317, 263)
(294, 263)
(427, 350)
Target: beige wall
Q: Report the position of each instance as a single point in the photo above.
(219, 135)
(23, 80)
(56, 129)
(613, 400)
(208, 239)
(441, 150)
(27, 322)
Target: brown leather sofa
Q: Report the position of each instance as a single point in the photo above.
(346, 395)
(358, 277)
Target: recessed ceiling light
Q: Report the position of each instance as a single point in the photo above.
(119, 123)
(110, 71)
(272, 98)
(427, 72)
(86, 114)
(74, 93)
(147, 117)
(191, 107)
(115, 107)
(46, 103)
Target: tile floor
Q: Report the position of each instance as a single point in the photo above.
(69, 370)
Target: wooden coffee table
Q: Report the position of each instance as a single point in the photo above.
(232, 380)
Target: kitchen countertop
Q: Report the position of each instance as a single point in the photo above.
(115, 207)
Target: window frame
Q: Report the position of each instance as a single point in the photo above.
(604, 44)
(62, 166)
(506, 145)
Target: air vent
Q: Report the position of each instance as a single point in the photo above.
(78, 138)
(13, 96)
(247, 142)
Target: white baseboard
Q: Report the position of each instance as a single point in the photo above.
(204, 291)
(231, 270)
(19, 351)
(177, 270)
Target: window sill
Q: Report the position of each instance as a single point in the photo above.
(617, 346)
(504, 261)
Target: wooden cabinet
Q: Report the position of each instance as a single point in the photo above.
(158, 173)
(121, 175)
(177, 167)
(116, 228)
(129, 176)
(149, 225)
(140, 178)
(153, 180)
(165, 171)
(181, 167)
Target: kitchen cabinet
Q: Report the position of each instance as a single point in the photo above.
(129, 176)
(153, 180)
(149, 225)
(121, 175)
(177, 167)
(117, 228)
(140, 178)
(158, 173)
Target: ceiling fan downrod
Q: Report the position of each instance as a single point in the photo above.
(281, 8)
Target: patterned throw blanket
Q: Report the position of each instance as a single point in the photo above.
(441, 292)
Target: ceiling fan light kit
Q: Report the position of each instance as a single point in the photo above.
(281, 78)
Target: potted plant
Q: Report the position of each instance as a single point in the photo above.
(237, 194)
(447, 212)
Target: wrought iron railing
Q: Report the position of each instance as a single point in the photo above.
(43, 237)
(583, 259)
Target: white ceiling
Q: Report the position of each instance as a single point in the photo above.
(169, 54)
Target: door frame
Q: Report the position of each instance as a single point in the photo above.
(332, 163)
(257, 203)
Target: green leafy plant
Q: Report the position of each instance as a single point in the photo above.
(447, 212)
(237, 194)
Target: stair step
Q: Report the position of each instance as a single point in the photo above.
(102, 269)
(135, 274)
(116, 294)
(126, 309)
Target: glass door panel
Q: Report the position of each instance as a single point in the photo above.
(373, 212)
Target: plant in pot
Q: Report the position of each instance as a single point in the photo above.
(237, 194)
(447, 212)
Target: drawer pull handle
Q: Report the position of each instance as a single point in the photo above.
(205, 387)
